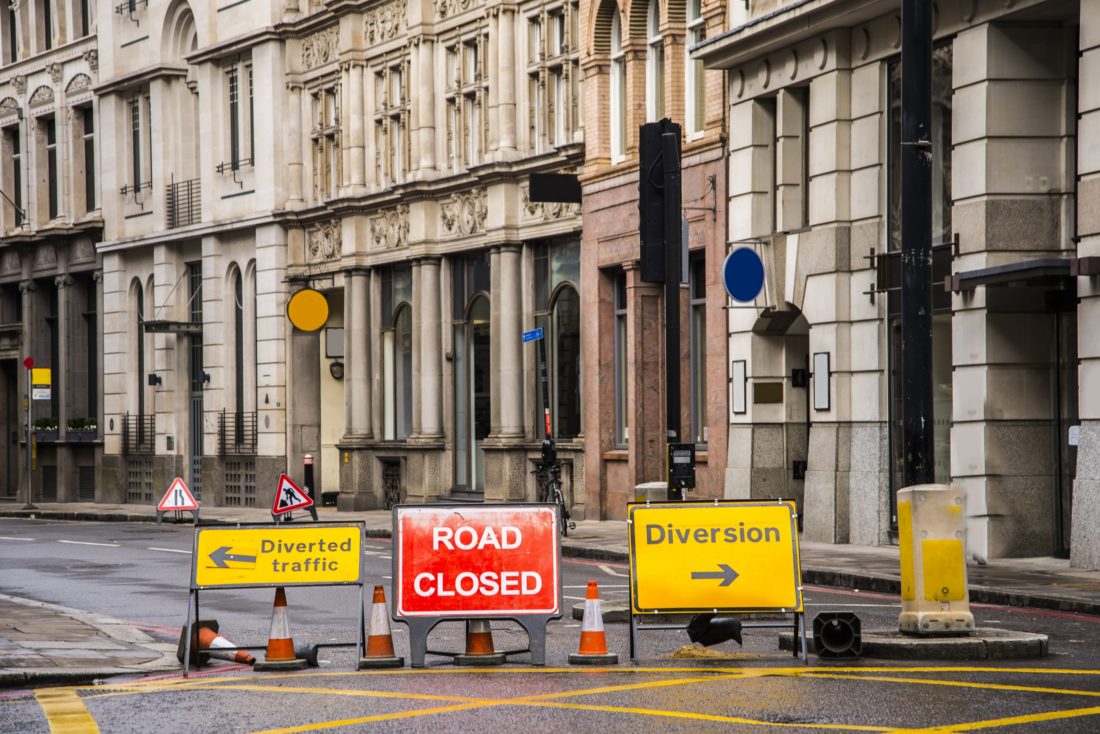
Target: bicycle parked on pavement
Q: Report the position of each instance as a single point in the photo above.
(548, 474)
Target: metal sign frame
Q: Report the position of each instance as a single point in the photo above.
(421, 625)
(797, 623)
(195, 588)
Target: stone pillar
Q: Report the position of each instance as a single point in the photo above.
(510, 370)
(426, 101)
(61, 370)
(294, 147)
(431, 354)
(357, 151)
(1084, 541)
(357, 356)
(506, 96)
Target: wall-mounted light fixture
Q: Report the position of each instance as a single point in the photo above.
(155, 379)
(821, 380)
(336, 369)
(205, 378)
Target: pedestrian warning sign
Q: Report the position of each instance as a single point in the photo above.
(289, 496)
(178, 497)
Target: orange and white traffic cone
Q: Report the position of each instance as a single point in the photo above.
(380, 641)
(212, 643)
(280, 646)
(593, 650)
(479, 645)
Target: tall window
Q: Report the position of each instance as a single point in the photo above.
(698, 348)
(391, 122)
(87, 118)
(694, 89)
(50, 125)
(194, 307)
(85, 18)
(465, 96)
(238, 343)
(12, 181)
(553, 72)
(471, 101)
(654, 64)
(140, 124)
(139, 346)
(618, 89)
(135, 144)
(557, 310)
(46, 9)
(91, 331)
(622, 407)
(238, 80)
(326, 142)
(11, 36)
(397, 353)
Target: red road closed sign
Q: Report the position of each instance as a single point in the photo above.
(476, 561)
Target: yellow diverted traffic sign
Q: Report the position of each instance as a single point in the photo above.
(705, 556)
(276, 555)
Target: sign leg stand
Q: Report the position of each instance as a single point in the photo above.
(187, 632)
(362, 649)
(536, 638)
(633, 633)
(418, 641)
(802, 622)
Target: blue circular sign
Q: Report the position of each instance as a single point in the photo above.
(743, 274)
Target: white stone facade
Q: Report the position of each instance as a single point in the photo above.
(813, 187)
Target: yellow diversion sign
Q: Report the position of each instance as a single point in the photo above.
(276, 555)
(723, 555)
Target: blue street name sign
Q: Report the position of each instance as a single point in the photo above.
(532, 335)
(743, 274)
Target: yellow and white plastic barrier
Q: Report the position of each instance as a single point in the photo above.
(932, 537)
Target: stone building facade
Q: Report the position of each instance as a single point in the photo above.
(637, 70)
(50, 224)
(377, 152)
(814, 94)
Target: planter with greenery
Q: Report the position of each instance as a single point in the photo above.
(81, 429)
(45, 429)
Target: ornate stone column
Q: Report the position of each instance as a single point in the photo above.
(294, 148)
(507, 94)
(61, 369)
(426, 101)
(357, 355)
(510, 371)
(356, 142)
(431, 351)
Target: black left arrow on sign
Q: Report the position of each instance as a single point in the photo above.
(727, 575)
(222, 555)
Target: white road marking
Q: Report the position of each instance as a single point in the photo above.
(602, 586)
(388, 578)
(4, 537)
(895, 606)
(388, 558)
(85, 542)
(574, 598)
(610, 571)
(171, 550)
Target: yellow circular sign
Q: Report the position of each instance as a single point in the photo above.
(307, 309)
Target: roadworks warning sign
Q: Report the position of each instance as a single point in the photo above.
(277, 555)
(705, 556)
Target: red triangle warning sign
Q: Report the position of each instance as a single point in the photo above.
(178, 497)
(289, 496)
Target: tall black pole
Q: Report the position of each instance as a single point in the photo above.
(670, 154)
(916, 240)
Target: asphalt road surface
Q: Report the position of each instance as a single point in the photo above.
(140, 573)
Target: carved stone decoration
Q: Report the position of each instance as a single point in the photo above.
(78, 83)
(390, 228)
(383, 22)
(12, 263)
(446, 8)
(464, 213)
(20, 83)
(44, 257)
(43, 95)
(323, 241)
(91, 57)
(8, 106)
(83, 251)
(545, 211)
(56, 70)
(319, 49)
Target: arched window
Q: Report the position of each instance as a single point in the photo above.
(618, 89)
(654, 64)
(138, 352)
(566, 338)
(238, 343)
(398, 373)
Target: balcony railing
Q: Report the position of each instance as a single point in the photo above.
(236, 433)
(183, 201)
(139, 434)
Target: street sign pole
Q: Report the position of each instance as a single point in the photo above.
(670, 154)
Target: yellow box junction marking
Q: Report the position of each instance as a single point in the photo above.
(702, 556)
(278, 556)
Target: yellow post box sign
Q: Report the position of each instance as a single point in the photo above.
(726, 556)
(277, 555)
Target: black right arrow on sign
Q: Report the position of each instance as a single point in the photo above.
(727, 575)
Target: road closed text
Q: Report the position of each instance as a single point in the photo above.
(478, 560)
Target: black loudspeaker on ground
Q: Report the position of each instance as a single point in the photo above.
(837, 635)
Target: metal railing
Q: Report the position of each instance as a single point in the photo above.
(139, 434)
(236, 433)
(183, 201)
